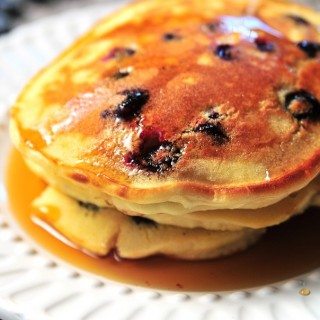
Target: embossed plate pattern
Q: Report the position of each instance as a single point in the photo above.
(41, 286)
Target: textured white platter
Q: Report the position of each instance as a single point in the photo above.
(40, 286)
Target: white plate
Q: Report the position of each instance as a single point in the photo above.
(43, 287)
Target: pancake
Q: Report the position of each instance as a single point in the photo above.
(99, 231)
(238, 219)
(182, 105)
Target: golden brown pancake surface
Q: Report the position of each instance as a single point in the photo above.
(200, 103)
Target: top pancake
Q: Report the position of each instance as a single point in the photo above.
(209, 104)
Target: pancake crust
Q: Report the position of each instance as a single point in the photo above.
(211, 104)
(237, 219)
(98, 231)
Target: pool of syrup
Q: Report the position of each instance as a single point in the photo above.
(288, 250)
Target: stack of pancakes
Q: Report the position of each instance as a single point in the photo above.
(182, 128)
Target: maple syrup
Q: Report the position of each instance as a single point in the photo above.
(288, 250)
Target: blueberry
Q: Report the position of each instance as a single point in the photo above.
(162, 158)
(157, 158)
(298, 19)
(215, 131)
(132, 104)
(88, 206)
(151, 139)
(309, 47)
(5, 23)
(224, 51)
(12, 7)
(154, 154)
(144, 221)
(302, 105)
(264, 45)
(170, 37)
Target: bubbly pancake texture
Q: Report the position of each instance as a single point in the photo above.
(99, 231)
(199, 105)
